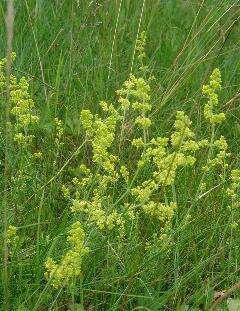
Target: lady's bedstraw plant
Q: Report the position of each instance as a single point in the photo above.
(23, 122)
(112, 196)
(217, 148)
(22, 106)
(210, 91)
(165, 156)
(70, 266)
(233, 193)
(134, 96)
(12, 236)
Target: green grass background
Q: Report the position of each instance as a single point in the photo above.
(75, 54)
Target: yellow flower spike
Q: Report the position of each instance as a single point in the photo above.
(124, 172)
(143, 122)
(65, 191)
(210, 91)
(102, 134)
(11, 235)
(138, 142)
(69, 267)
(38, 155)
(164, 212)
(22, 107)
(232, 191)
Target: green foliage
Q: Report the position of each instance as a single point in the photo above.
(124, 189)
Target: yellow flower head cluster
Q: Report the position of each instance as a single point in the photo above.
(11, 235)
(69, 267)
(58, 124)
(167, 155)
(101, 132)
(164, 212)
(167, 162)
(135, 95)
(96, 206)
(140, 49)
(210, 91)
(182, 138)
(124, 172)
(110, 194)
(98, 215)
(220, 146)
(22, 106)
(232, 191)
(3, 78)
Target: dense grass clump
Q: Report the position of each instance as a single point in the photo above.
(120, 171)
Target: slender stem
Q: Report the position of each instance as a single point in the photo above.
(39, 231)
(114, 39)
(139, 25)
(209, 156)
(81, 292)
(212, 140)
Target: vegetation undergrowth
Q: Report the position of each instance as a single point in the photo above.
(122, 209)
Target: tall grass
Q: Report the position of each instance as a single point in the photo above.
(76, 54)
(7, 171)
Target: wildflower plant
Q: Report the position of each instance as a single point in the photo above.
(23, 127)
(113, 197)
(12, 236)
(210, 91)
(22, 106)
(70, 265)
(233, 194)
(119, 167)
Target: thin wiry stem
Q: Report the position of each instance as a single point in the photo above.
(38, 52)
(114, 39)
(9, 26)
(138, 31)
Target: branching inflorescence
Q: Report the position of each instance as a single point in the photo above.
(112, 194)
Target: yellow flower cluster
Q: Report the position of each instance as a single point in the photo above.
(101, 132)
(164, 154)
(167, 162)
(66, 192)
(96, 207)
(167, 155)
(232, 191)
(110, 195)
(97, 214)
(138, 142)
(22, 106)
(58, 124)
(23, 125)
(3, 63)
(22, 103)
(69, 267)
(135, 95)
(210, 91)
(181, 139)
(140, 50)
(164, 212)
(125, 173)
(22, 110)
(11, 235)
(219, 159)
